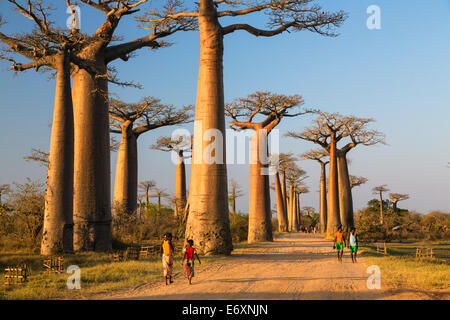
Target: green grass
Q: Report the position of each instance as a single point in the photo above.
(98, 275)
(401, 268)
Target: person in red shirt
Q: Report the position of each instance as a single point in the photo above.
(189, 253)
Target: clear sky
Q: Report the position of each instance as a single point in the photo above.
(399, 75)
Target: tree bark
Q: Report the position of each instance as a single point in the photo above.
(298, 211)
(180, 187)
(284, 193)
(92, 198)
(208, 221)
(333, 218)
(394, 205)
(345, 193)
(260, 222)
(125, 186)
(282, 218)
(323, 199)
(58, 215)
(381, 208)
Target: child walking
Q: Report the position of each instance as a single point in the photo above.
(167, 256)
(353, 243)
(339, 243)
(189, 253)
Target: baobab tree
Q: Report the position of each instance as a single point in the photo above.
(327, 130)
(208, 222)
(379, 191)
(271, 108)
(358, 134)
(131, 120)
(145, 186)
(159, 193)
(357, 181)
(92, 204)
(236, 192)
(336, 127)
(182, 146)
(294, 176)
(52, 48)
(300, 189)
(284, 160)
(320, 156)
(396, 197)
(280, 200)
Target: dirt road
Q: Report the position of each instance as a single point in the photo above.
(294, 266)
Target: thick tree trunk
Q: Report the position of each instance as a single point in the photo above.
(147, 202)
(180, 187)
(394, 206)
(208, 221)
(282, 218)
(323, 199)
(92, 186)
(58, 215)
(291, 207)
(259, 213)
(345, 193)
(125, 186)
(333, 218)
(233, 205)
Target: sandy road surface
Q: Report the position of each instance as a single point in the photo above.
(294, 266)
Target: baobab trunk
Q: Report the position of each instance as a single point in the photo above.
(180, 186)
(323, 199)
(381, 208)
(259, 213)
(333, 219)
(345, 193)
(208, 222)
(284, 193)
(92, 199)
(125, 186)
(282, 218)
(297, 209)
(394, 205)
(57, 233)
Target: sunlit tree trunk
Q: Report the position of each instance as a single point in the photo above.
(323, 198)
(92, 186)
(290, 202)
(180, 186)
(381, 208)
(259, 213)
(208, 222)
(345, 193)
(333, 218)
(282, 217)
(298, 211)
(125, 186)
(284, 193)
(58, 215)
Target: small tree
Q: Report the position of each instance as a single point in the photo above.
(396, 197)
(236, 192)
(294, 175)
(183, 147)
(244, 112)
(145, 187)
(131, 120)
(357, 181)
(320, 156)
(379, 191)
(159, 194)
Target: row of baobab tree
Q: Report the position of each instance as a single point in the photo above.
(78, 203)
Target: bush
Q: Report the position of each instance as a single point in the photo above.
(21, 219)
(239, 227)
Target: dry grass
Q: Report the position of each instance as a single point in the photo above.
(98, 275)
(401, 268)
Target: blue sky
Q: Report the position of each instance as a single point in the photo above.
(399, 75)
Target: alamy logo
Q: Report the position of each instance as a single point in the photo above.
(374, 280)
(74, 281)
(374, 20)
